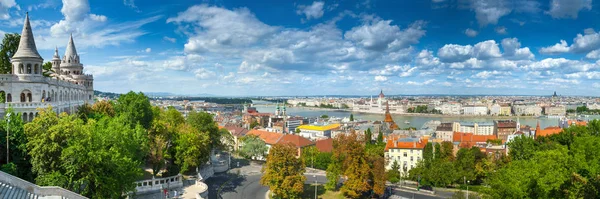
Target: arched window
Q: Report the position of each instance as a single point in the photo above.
(30, 117)
(28, 97)
(44, 95)
(28, 68)
(8, 97)
(3, 96)
(35, 69)
(24, 117)
(22, 97)
(20, 68)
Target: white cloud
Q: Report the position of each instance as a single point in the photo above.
(596, 85)
(561, 47)
(379, 35)
(169, 39)
(457, 53)
(45, 4)
(5, 5)
(489, 11)
(130, 3)
(586, 42)
(568, 8)
(595, 54)
(471, 33)
(203, 73)
(148, 50)
(247, 67)
(183, 62)
(216, 29)
(512, 50)
(313, 11)
(380, 78)
(500, 30)
(493, 74)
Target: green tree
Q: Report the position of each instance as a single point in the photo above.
(437, 152)
(105, 108)
(254, 124)
(19, 157)
(283, 172)
(380, 137)
(193, 147)
(47, 69)
(10, 44)
(204, 122)
(324, 116)
(428, 154)
(351, 117)
(368, 136)
(253, 147)
(447, 150)
(393, 174)
(136, 107)
(521, 148)
(334, 171)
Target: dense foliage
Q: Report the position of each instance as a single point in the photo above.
(253, 147)
(283, 172)
(8, 48)
(360, 162)
(100, 151)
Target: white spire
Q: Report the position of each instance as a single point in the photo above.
(71, 52)
(27, 43)
(56, 57)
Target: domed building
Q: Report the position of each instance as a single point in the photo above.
(26, 88)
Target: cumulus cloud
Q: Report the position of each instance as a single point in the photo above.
(582, 43)
(219, 29)
(561, 47)
(491, 74)
(470, 32)
(380, 35)
(458, 53)
(568, 8)
(512, 50)
(380, 78)
(5, 5)
(203, 73)
(595, 54)
(313, 11)
(489, 11)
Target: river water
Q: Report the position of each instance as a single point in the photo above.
(414, 121)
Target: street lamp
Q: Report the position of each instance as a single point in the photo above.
(316, 184)
(7, 134)
(467, 189)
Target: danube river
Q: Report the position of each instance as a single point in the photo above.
(414, 121)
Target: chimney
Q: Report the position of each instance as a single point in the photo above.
(415, 144)
(395, 144)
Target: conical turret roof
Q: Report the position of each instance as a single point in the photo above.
(27, 43)
(56, 57)
(71, 52)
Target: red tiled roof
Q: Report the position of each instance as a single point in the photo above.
(548, 131)
(325, 145)
(296, 140)
(236, 130)
(269, 137)
(395, 144)
(468, 140)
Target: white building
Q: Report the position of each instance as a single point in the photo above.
(475, 110)
(483, 128)
(450, 108)
(27, 89)
(530, 110)
(378, 106)
(406, 152)
(495, 109)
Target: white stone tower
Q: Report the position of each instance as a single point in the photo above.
(56, 63)
(27, 62)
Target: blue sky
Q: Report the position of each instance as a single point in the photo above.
(324, 47)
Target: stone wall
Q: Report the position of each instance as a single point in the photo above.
(42, 192)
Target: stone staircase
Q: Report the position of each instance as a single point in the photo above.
(9, 192)
(12, 187)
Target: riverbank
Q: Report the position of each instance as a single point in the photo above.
(405, 114)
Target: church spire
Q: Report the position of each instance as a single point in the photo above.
(27, 43)
(56, 57)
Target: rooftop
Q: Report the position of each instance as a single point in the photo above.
(319, 127)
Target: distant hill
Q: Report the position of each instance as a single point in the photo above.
(106, 94)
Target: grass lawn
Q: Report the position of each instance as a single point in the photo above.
(309, 192)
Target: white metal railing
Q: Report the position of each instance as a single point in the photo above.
(157, 184)
(37, 190)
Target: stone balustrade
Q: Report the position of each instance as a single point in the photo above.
(41, 192)
(202, 190)
(157, 184)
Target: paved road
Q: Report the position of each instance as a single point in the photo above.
(403, 194)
